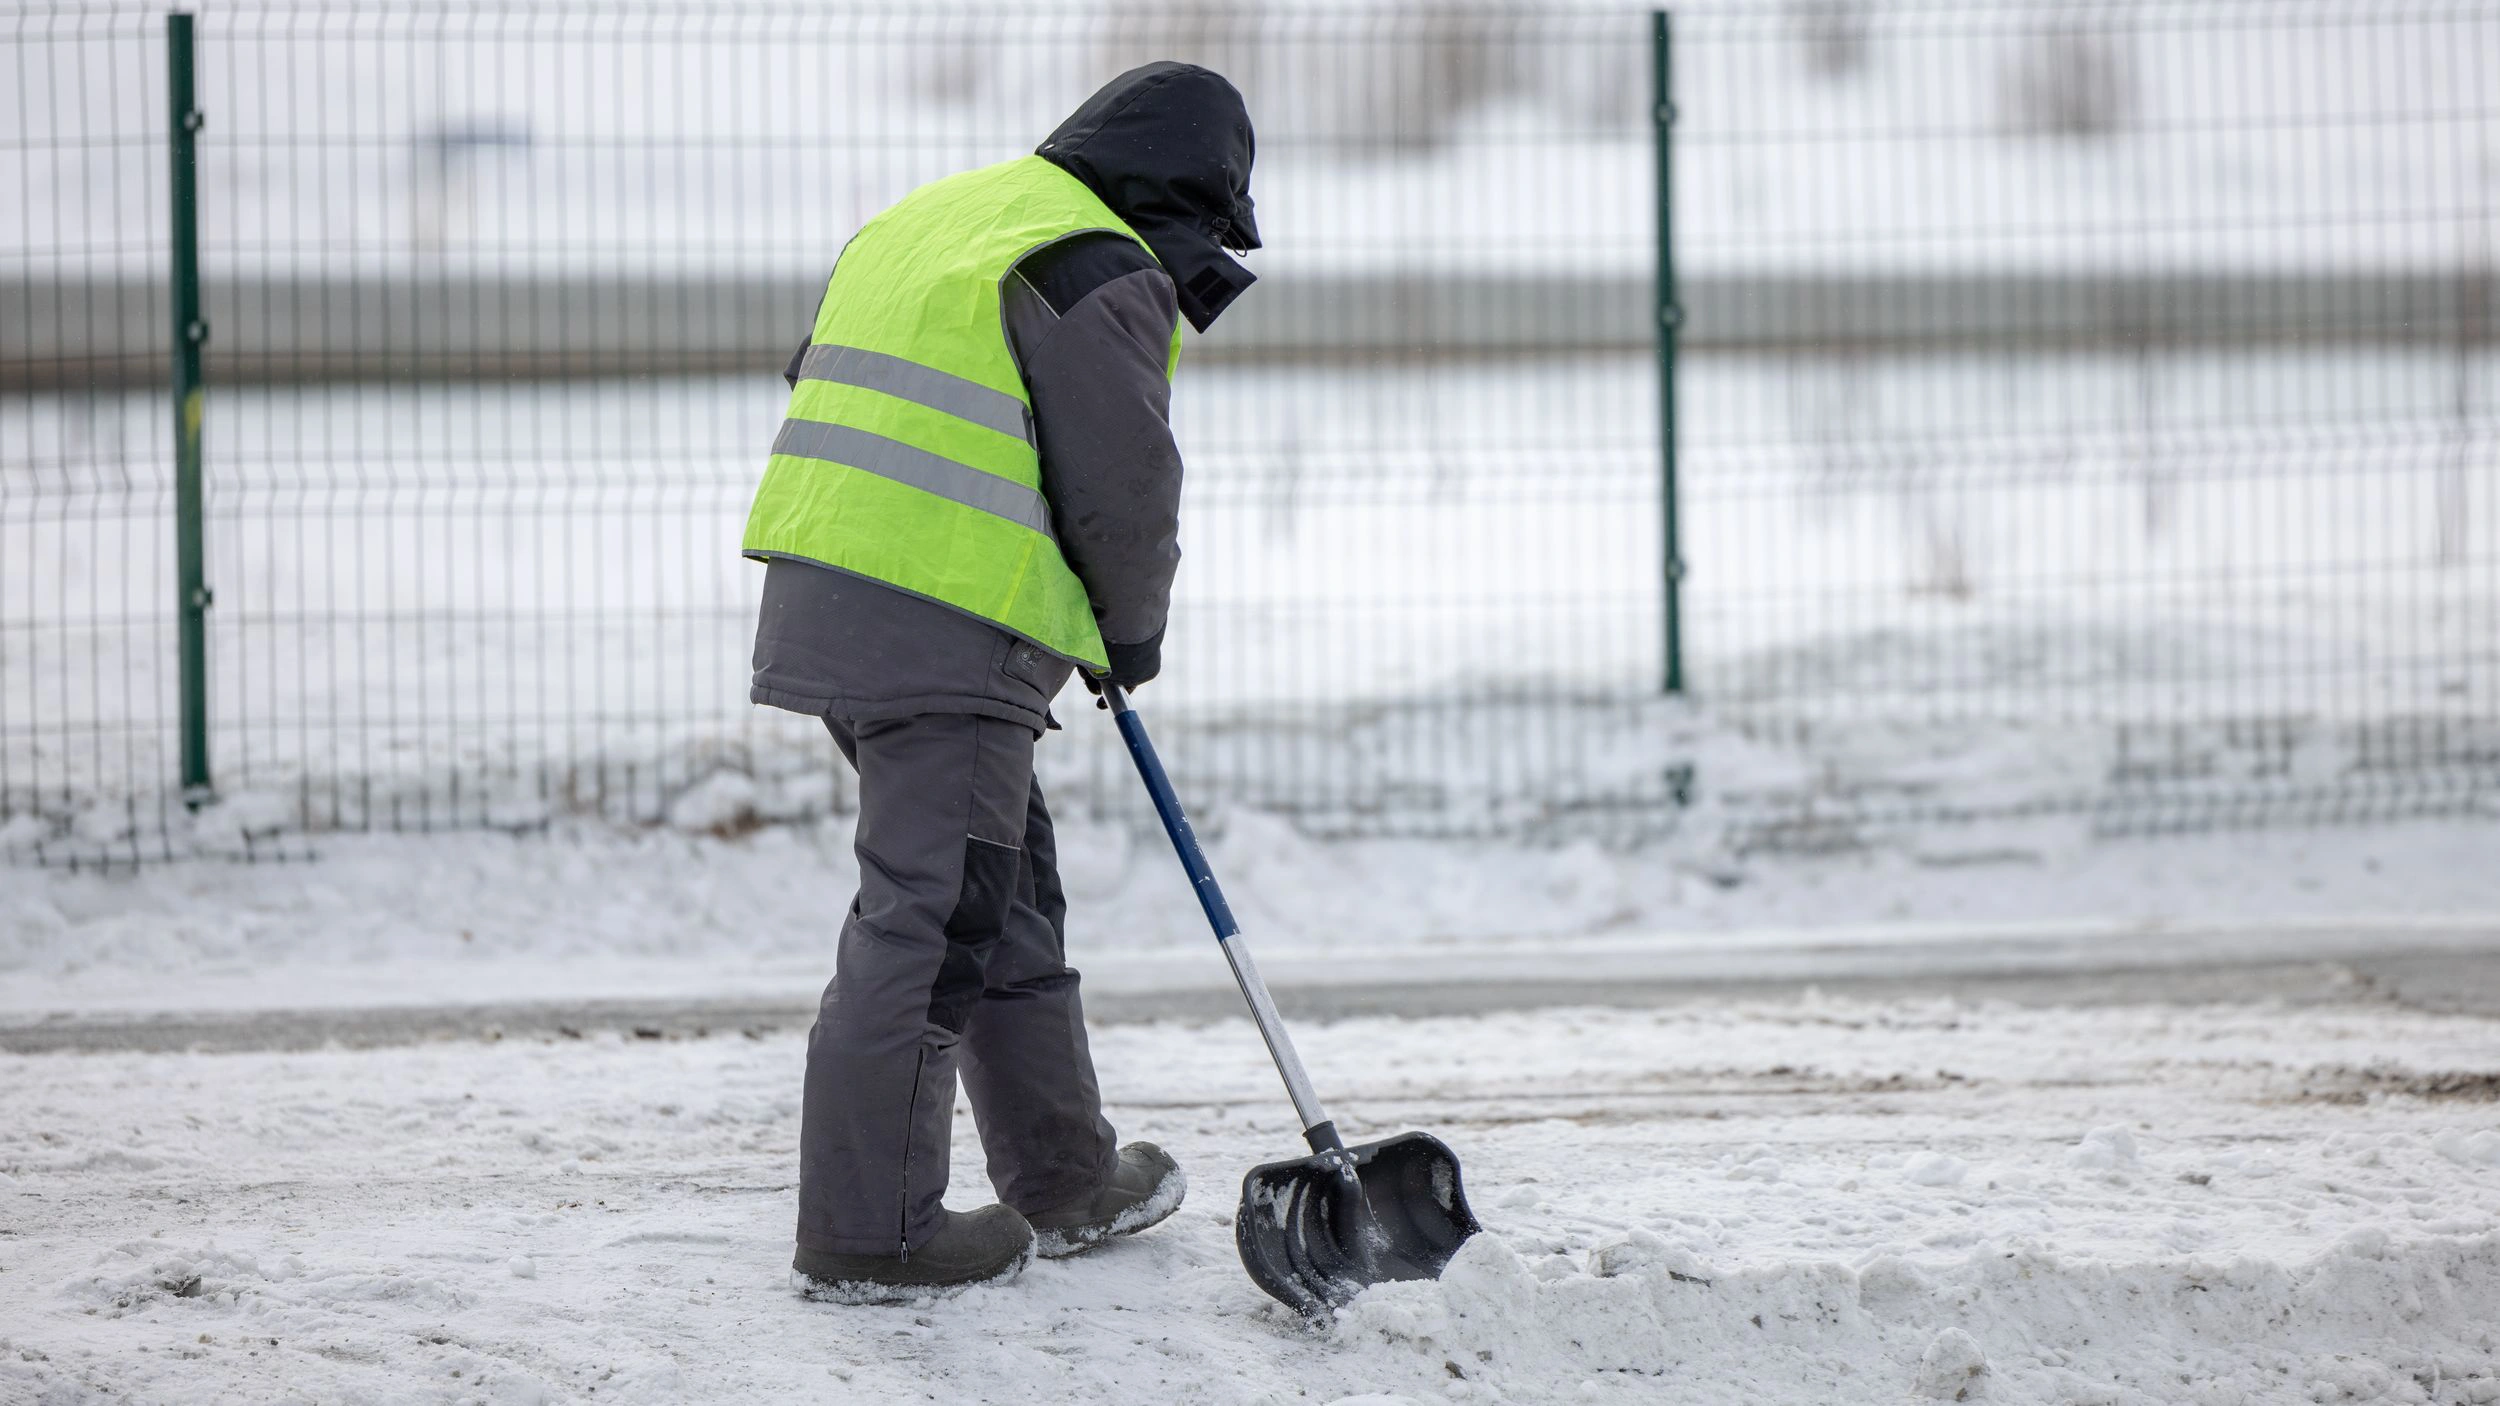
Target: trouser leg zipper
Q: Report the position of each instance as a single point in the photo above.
(911, 1124)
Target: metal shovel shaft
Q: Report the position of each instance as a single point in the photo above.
(1316, 1129)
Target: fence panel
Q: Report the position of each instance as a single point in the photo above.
(89, 640)
(2121, 372)
(2084, 407)
(499, 301)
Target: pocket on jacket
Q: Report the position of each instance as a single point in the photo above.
(1035, 667)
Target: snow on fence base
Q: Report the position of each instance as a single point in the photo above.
(1541, 771)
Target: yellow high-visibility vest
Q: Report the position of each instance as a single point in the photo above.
(908, 454)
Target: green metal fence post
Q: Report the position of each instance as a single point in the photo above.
(1670, 321)
(190, 331)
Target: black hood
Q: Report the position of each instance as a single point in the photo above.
(1168, 148)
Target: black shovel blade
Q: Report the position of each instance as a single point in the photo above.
(1317, 1231)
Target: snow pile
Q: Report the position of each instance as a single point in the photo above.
(721, 908)
(2481, 1148)
(1935, 1169)
(2374, 1318)
(2104, 1149)
(1953, 1368)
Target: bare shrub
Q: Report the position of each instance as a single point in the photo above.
(1834, 412)
(1594, 82)
(1224, 38)
(1942, 549)
(1394, 81)
(2069, 81)
(1833, 35)
(950, 75)
(1450, 59)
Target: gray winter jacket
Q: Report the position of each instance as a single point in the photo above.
(1090, 322)
(1168, 146)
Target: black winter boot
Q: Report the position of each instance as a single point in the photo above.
(1145, 1189)
(989, 1246)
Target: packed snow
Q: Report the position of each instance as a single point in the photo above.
(1813, 1201)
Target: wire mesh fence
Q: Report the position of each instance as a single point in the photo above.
(2124, 374)
(2112, 381)
(89, 662)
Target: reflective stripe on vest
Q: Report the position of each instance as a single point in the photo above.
(941, 391)
(930, 473)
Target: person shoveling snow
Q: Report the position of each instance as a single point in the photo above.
(976, 492)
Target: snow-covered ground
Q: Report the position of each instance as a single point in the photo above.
(592, 912)
(1810, 1202)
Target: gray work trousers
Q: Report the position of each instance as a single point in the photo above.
(952, 960)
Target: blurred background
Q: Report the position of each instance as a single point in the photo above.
(1790, 419)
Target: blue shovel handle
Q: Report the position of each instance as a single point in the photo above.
(1320, 1133)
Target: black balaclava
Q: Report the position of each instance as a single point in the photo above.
(1168, 148)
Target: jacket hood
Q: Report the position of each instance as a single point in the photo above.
(1168, 147)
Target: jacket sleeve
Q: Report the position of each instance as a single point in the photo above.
(1101, 401)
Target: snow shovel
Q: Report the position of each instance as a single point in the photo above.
(1318, 1230)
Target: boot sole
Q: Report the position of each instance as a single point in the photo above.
(1157, 1208)
(864, 1293)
